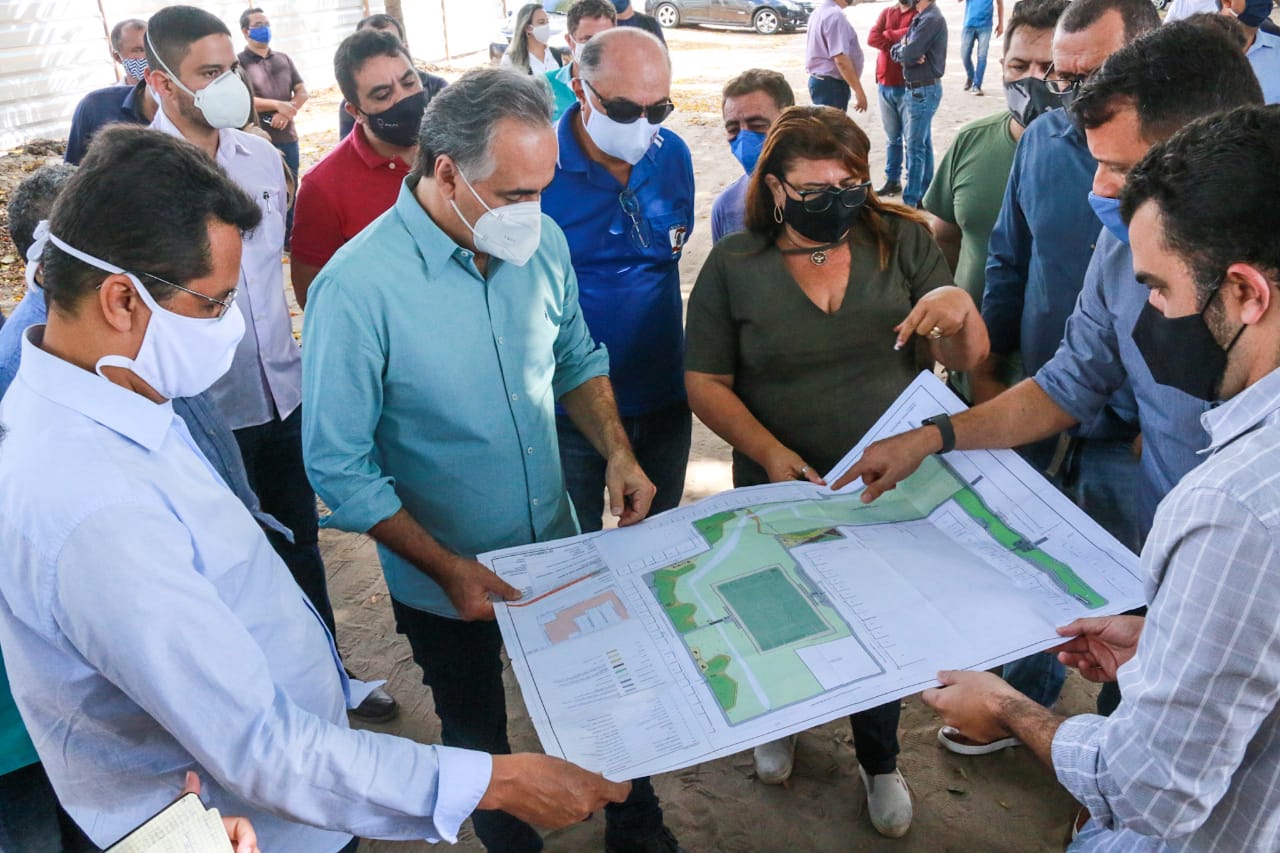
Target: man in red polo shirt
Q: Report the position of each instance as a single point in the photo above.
(359, 180)
(889, 28)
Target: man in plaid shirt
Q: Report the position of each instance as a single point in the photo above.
(1191, 759)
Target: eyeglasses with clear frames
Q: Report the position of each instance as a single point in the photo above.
(631, 207)
(224, 305)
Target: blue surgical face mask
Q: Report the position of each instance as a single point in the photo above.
(746, 147)
(1255, 12)
(262, 35)
(1108, 211)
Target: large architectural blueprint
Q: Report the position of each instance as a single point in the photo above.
(764, 611)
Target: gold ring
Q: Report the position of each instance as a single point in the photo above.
(935, 333)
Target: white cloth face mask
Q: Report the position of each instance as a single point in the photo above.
(35, 252)
(224, 103)
(542, 33)
(627, 142)
(511, 232)
(180, 356)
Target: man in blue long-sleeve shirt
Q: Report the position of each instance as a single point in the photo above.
(922, 53)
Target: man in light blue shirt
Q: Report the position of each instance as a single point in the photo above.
(751, 103)
(148, 625)
(437, 343)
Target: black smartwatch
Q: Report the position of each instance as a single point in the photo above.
(943, 423)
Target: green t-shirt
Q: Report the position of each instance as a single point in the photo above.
(968, 190)
(16, 749)
(561, 89)
(816, 381)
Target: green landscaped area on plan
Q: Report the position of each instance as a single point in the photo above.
(745, 611)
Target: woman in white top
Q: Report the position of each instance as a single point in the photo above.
(529, 52)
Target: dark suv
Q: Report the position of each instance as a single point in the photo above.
(763, 16)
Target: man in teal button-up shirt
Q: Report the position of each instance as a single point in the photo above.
(432, 367)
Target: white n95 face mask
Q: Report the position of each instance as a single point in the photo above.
(224, 103)
(180, 356)
(511, 232)
(627, 142)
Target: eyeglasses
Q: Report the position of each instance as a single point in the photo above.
(624, 111)
(631, 207)
(816, 201)
(224, 305)
(1060, 85)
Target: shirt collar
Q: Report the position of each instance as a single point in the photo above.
(1258, 403)
(116, 408)
(435, 246)
(1263, 40)
(229, 141)
(132, 102)
(365, 152)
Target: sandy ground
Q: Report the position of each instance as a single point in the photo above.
(1006, 802)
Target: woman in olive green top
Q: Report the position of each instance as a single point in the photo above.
(802, 330)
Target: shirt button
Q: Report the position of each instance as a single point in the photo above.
(500, 339)
(529, 451)
(535, 501)
(465, 253)
(391, 166)
(515, 397)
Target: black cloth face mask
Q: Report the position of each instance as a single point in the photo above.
(1029, 98)
(398, 124)
(824, 226)
(1182, 352)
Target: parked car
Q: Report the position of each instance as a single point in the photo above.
(763, 16)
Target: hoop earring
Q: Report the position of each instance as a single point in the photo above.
(777, 213)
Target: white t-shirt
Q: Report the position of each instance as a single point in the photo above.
(536, 66)
(1180, 9)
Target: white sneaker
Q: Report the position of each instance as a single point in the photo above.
(888, 803)
(775, 760)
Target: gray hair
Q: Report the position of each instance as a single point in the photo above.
(33, 200)
(460, 120)
(118, 31)
(593, 51)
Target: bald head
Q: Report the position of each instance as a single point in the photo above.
(626, 53)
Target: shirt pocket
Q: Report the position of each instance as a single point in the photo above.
(274, 205)
(670, 232)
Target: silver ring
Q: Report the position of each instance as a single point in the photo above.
(804, 469)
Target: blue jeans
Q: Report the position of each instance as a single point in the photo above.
(273, 461)
(462, 664)
(1101, 477)
(893, 115)
(922, 103)
(975, 69)
(660, 441)
(31, 821)
(290, 152)
(829, 92)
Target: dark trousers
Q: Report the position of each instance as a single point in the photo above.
(875, 737)
(31, 821)
(660, 441)
(829, 92)
(273, 460)
(461, 664)
(291, 159)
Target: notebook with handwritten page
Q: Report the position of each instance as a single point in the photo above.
(184, 827)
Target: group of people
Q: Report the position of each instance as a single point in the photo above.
(495, 354)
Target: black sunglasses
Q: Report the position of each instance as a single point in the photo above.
(816, 201)
(627, 112)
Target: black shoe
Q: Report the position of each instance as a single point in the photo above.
(378, 707)
(662, 841)
(890, 188)
(968, 84)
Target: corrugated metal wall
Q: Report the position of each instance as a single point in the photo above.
(53, 52)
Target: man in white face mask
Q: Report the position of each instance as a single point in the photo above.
(148, 626)
(438, 341)
(202, 100)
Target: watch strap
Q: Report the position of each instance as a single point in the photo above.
(943, 423)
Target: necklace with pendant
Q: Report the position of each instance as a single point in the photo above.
(817, 254)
